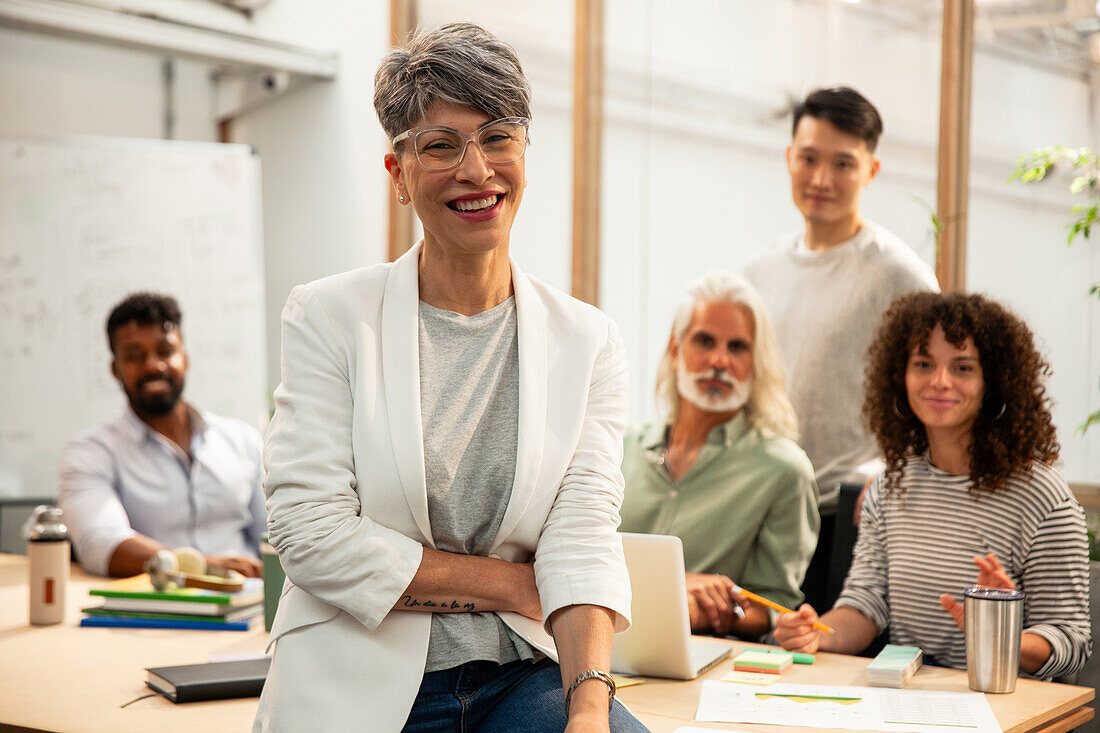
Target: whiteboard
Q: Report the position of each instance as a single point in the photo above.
(83, 223)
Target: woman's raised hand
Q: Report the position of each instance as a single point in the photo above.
(990, 573)
(795, 632)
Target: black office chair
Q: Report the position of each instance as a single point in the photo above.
(844, 541)
(829, 565)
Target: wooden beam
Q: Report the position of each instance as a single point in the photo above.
(953, 184)
(587, 134)
(403, 19)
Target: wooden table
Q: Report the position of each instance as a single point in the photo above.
(72, 679)
(69, 679)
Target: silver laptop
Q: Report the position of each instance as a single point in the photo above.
(658, 642)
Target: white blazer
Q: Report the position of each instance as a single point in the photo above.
(347, 501)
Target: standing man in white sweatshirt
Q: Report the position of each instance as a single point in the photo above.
(827, 285)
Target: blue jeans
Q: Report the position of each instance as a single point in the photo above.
(487, 697)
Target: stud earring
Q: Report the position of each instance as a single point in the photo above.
(401, 199)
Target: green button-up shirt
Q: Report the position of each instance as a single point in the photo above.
(747, 507)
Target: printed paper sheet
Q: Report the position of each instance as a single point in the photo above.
(854, 708)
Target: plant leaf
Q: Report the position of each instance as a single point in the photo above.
(1093, 419)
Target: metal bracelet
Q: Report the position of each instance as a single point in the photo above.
(590, 674)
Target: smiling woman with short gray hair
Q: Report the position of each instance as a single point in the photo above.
(443, 463)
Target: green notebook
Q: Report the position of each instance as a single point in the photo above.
(137, 594)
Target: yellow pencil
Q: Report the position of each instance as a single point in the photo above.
(773, 605)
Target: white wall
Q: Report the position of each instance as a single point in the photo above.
(324, 185)
(694, 175)
(52, 86)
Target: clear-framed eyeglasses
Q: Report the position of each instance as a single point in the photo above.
(440, 148)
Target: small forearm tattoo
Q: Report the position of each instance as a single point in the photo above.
(437, 606)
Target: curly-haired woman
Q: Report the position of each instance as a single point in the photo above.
(955, 398)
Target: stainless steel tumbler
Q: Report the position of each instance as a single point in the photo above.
(994, 621)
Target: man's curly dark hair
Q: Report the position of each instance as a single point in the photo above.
(1006, 440)
(145, 309)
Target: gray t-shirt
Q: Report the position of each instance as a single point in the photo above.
(469, 406)
(826, 306)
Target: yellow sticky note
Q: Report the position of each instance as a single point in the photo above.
(621, 682)
(751, 678)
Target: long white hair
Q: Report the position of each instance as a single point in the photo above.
(769, 408)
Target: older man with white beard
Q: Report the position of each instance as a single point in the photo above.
(722, 471)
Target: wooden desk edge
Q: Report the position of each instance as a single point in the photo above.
(1067, 722)
(7, 728)
(1050, 721)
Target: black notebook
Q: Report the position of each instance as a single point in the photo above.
(211, 681)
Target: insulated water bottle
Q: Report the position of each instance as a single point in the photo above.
(48, 563)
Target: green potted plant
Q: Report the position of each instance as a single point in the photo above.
(1085, 165)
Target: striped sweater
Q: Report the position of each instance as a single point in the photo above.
(915, 546)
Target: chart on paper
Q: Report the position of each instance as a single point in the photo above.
(854, 708)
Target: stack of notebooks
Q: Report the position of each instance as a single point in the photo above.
(894, 665)
(134, 603)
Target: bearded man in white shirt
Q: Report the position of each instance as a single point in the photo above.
(161, 473)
